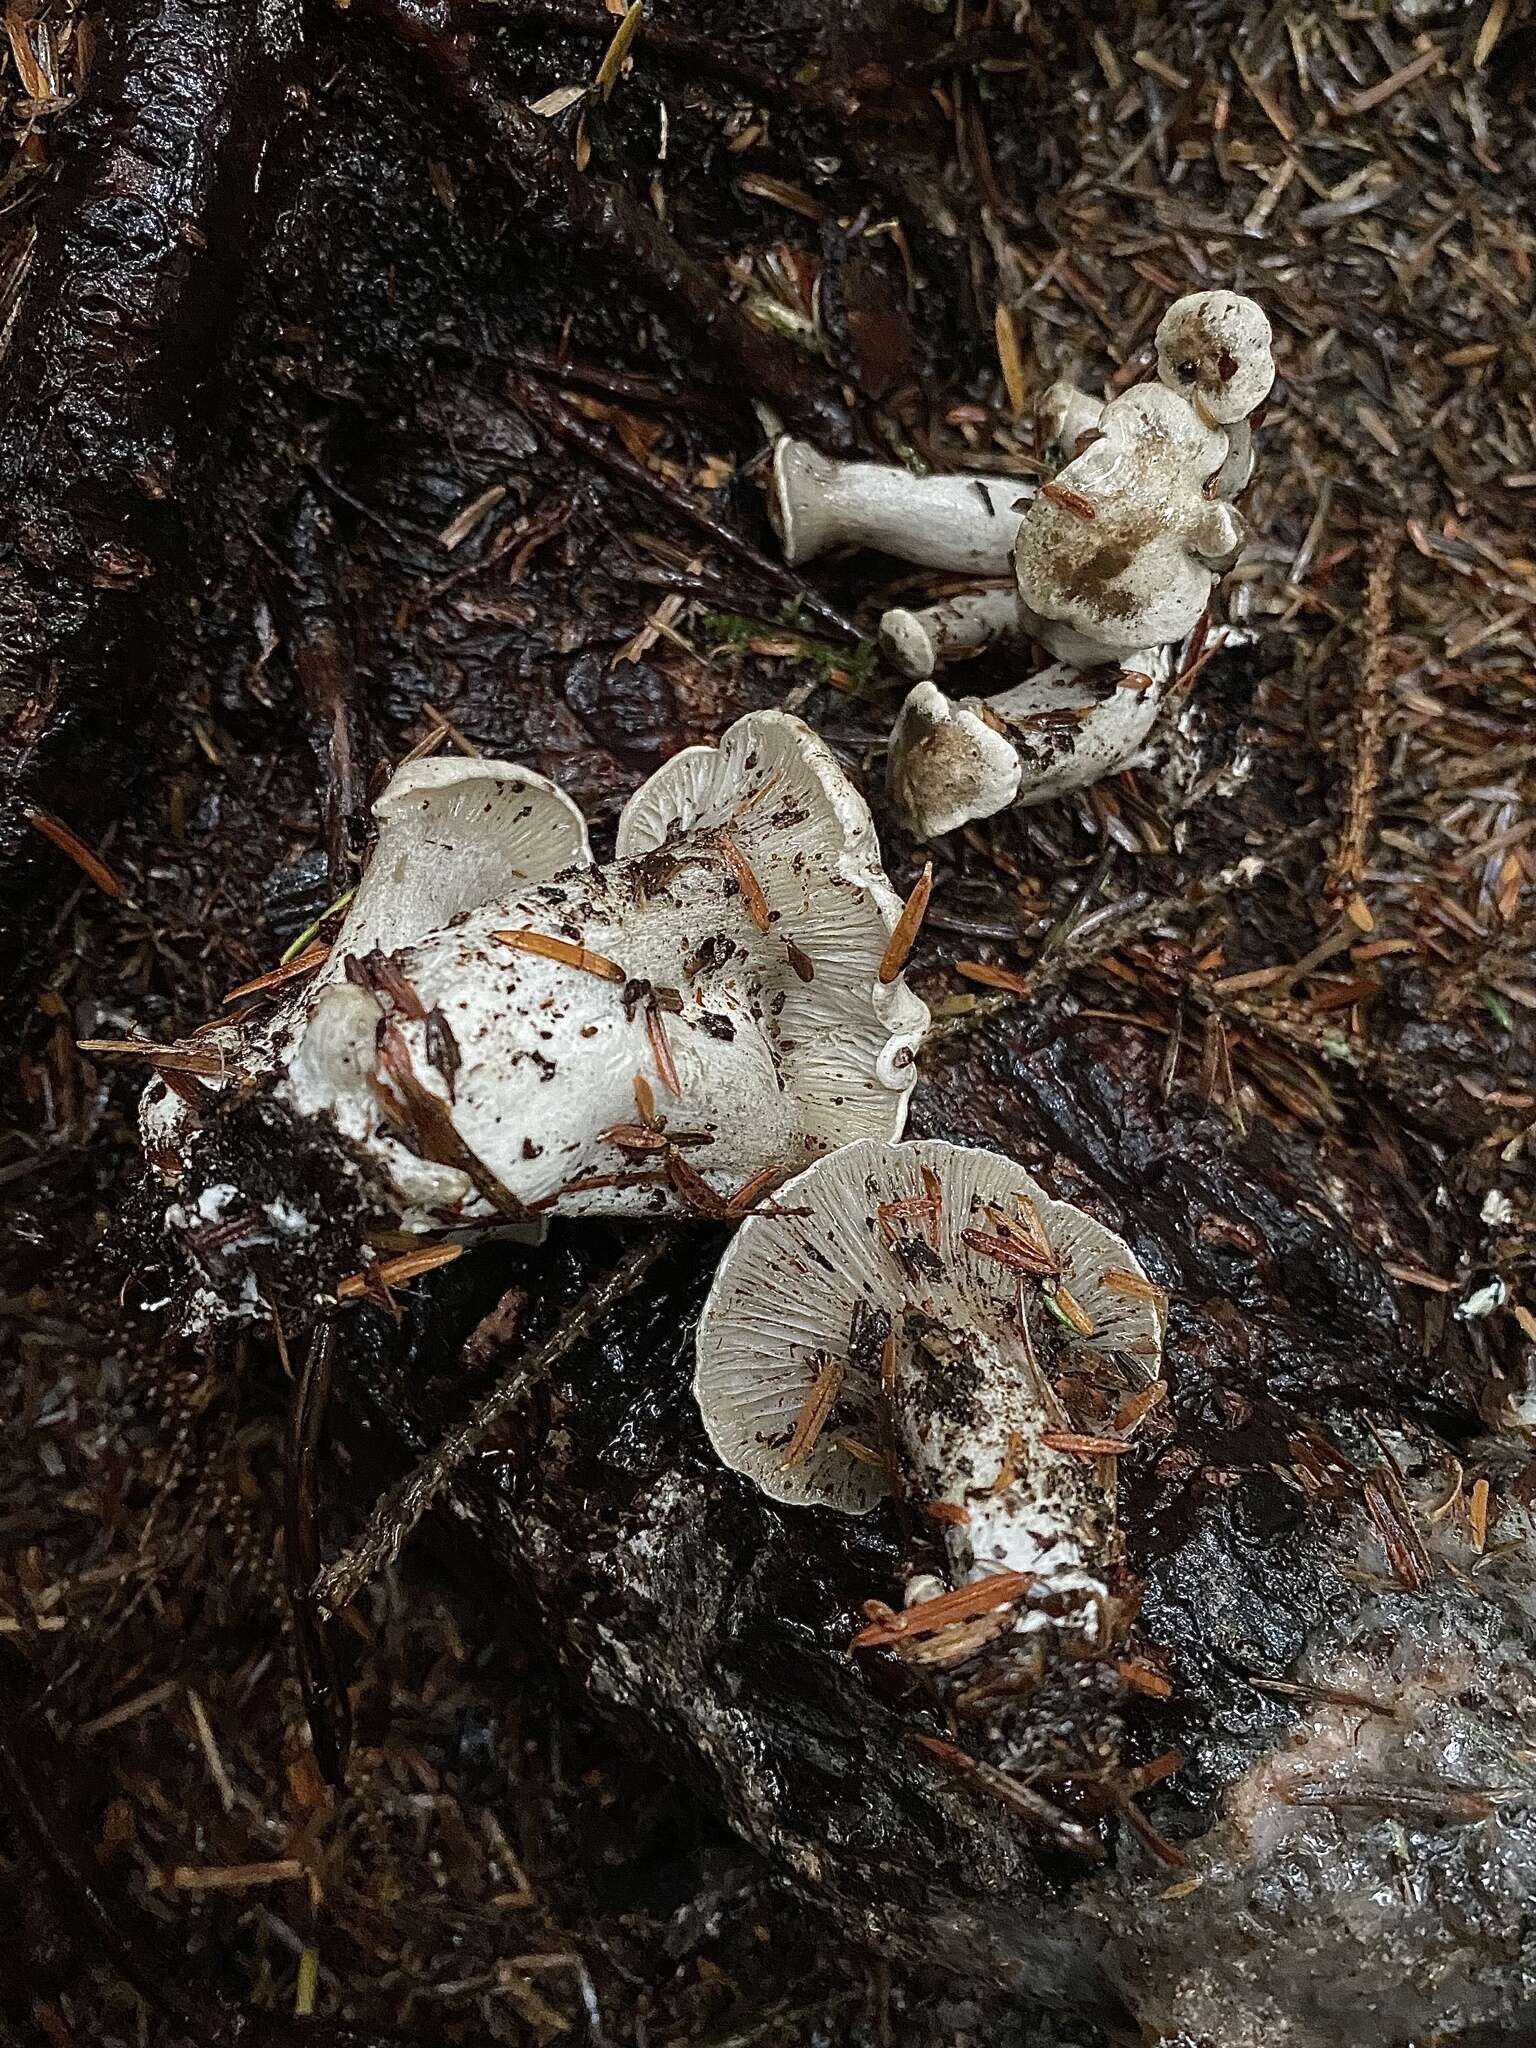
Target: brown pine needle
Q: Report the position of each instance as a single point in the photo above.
(1084, 1446)
(751, 888)
(1135, 1288)
(1070, 500)
(1011, 357)
(930, 1617)
(814, 1414)
(904, 936)
(661, 1050)
(1135, 1408)
(171, 1059)
(564, 951)
(89, 862)
(314, 955)
(613, 61)
(1370, 731)
(394, 1272)
(992, 977)
(1016, 1253)
(1067, 1309)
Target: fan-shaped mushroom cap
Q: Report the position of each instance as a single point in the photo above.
(1213, 348)
(820, 1279)
(779, 793)
(1115, 554)
(455, 833)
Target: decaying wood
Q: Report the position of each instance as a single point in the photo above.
(108, 384)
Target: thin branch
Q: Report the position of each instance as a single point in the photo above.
(558, 419)
(1369, 723)
(402, 1508)
(325, 1697)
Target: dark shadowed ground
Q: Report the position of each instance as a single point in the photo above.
(331, 401)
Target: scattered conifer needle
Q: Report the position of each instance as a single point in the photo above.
(751, 887)
(992, 977)
(904, 935)
(929, 1617)
(613, 60)
(1085, 1446)
(394, 1272)
(814, 1414)
(175, 1059)
(563, 950)
(314, 955)
(89, 863)
(1070, 500)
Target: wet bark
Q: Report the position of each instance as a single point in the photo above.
(112, 379)
(718, 1625)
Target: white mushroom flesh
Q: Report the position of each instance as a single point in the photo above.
(1120, 551)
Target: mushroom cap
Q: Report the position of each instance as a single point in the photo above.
(784, 802)
(456, 833)
(1123, 574)
(784, 1299)
(1216, 346)
(947, 765)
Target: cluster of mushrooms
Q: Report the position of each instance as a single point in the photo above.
(1109, 566)
(715, 1023)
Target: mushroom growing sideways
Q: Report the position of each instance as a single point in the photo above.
(901, 1319)
(504, 1029)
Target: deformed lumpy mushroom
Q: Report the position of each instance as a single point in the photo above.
(954, 760)
(1213, 351)
(666, 1032)
(1120, 551)
(900, 1320)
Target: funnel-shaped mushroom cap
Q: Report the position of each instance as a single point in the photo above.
(454, 834)
(1214, 348)
(867, 1239)
(774, 794)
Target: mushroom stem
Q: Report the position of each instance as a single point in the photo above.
(918, 641)
(962, 524)
(970, 1415)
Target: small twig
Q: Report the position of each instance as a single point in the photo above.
(1369, 726)
(325, 1697)
(322, 662)
(568, 426)
(402, 1508)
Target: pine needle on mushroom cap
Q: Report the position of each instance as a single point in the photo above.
(857, 1241)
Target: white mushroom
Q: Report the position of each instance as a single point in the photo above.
(1120, 552)
(901, 1317)
(918, 641)
(653, 1034)
(1213, 348)
(952, 762)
